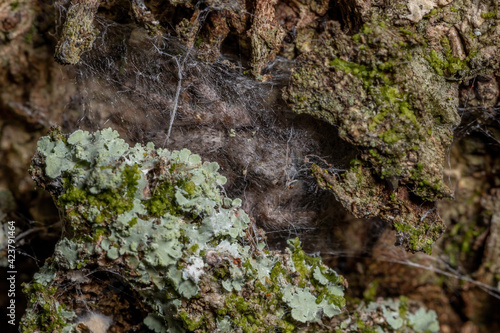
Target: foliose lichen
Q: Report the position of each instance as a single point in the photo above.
(391, 315)
(46, 314)
(160, 221)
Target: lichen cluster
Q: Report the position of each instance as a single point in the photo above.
(159, 220)
(391, 315)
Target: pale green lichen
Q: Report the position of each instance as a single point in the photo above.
(46, 313)
(391, 315)
(159, 220)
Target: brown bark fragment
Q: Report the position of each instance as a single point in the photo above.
(266, 35)
(78, 33)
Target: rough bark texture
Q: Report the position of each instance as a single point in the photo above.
(353, 124)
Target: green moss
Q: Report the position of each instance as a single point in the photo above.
(366, 29)
(100, 232)
(131, 179)
(190, 188)
(391, 136)
(464, 235)
(436, 62)
(132, 222)
(371, 291)
(14, 5)
(423, 182)
(277, 272)
(489, 15)
(387, 94)
(406, 31)
(109, 203)
(379, 117)
(48, 315)
(446, 63)
(189, 323)
(162, 200)
(56, 135)
(417, 241)
(299, 261)
(244, 315)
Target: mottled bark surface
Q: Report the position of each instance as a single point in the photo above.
(354, 125)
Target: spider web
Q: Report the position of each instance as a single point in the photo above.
(154, 89)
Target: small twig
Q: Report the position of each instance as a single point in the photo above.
(176, 100)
